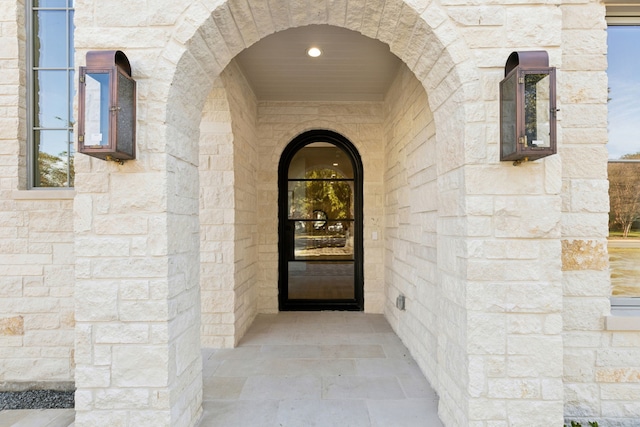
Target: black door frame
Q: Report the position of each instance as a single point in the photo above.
(286, 304)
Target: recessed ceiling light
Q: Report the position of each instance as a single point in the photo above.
(335, 164)
(314, 52)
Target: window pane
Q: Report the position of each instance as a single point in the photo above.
(50, 39)
(624, 164)
(625, 269)
(72, 93)
(49, 3)
(51, 107)
(624, 230)
(624, 92)
(52, 153)
(70, 30)
(51, 91)
(72, 153)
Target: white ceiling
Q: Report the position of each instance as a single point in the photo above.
(352, 67)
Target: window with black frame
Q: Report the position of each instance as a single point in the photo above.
(624, 159)
(50, 91)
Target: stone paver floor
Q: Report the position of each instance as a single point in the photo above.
(317, 369)
(37, 418)
(306, 369)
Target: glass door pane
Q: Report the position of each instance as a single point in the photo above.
(320, 221)
(321, 280)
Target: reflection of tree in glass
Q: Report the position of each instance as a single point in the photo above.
(624, 196)
(321, 194)
(53, 171)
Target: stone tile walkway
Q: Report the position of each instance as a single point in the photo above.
(37, 418)
(294, 369)
(317, 369)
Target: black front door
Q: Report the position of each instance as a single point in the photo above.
(320, 209)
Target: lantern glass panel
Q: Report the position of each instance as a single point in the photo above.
(96, 104)
(509, 117)
(537, 110)
(126, 114)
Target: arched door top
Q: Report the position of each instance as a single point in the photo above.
(320, 135)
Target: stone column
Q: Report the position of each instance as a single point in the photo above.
(137, 296)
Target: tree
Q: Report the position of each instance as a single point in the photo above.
(634, 156)
(624, 193)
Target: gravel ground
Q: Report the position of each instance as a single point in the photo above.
(36, 399)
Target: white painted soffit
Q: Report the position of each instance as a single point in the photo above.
(352, 67)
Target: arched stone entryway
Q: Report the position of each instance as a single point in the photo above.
(195, 57)
(423, 39)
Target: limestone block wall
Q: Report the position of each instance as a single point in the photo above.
(216, 221)
(228, 210)
(137, 236)
(497, 240)
(134, 323)
(36, 241)
(510, 265)
(411, 202)
(601, 360)
(362, 124)
(36, 292)
(243, 108)
(526, 214)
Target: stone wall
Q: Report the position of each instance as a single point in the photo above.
(505, 275)
(492, 286)
(217, 221)
(411, 202)
(137, 235)
(601, 353)
(228, 210)
(36, 296)
(361, 123)
(36, 242)
(244, 118)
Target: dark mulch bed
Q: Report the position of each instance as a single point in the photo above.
(36, 399)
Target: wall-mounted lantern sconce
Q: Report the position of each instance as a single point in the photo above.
(527, 107)
(107, 107)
